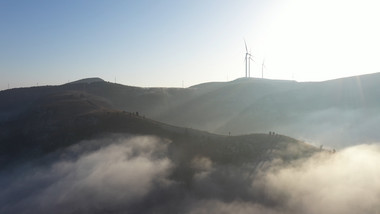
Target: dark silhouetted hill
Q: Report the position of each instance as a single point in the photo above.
(53, 118)
(87, 80)
(338, 112)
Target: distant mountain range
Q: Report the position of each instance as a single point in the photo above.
(336, 113)
(39, 120)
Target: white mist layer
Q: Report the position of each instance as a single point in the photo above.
(134, 175)
(345, 182)
(99, 181)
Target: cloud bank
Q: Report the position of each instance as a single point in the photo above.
(124, 174)
(107, 179)
(344, 182)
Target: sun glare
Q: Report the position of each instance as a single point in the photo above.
(319, 40)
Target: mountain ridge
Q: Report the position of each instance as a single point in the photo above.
(61, 119)
(242, 106)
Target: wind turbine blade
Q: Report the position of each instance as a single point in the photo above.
(246, 49)
(251, 57)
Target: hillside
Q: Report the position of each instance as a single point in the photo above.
(61, 119)
(336, 113)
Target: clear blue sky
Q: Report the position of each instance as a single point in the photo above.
(162, 43)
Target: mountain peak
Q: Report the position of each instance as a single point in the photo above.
(88, 80)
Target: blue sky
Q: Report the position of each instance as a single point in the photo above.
(165, 43)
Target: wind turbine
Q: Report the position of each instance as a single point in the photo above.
(249, 63)
(246, 59)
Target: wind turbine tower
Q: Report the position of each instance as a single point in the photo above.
(262, 68)
(246, 59)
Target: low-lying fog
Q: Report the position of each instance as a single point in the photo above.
(132, 174)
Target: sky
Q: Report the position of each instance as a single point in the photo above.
(182, 43)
